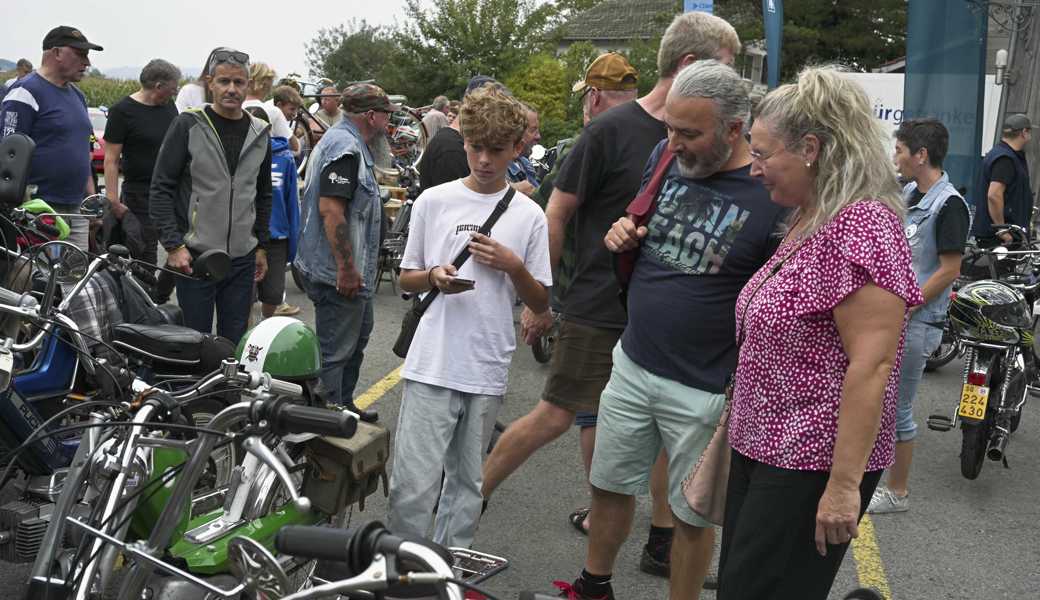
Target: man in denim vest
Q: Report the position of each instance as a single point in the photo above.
(339, 238)
(937, 225)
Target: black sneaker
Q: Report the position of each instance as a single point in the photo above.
(651, 565)
(574, 591)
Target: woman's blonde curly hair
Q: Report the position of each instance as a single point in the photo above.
(853, 162)
(490, 116)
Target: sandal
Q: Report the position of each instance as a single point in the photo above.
(577, 519)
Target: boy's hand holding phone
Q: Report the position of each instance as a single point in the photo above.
(444, 277)
(487, 251)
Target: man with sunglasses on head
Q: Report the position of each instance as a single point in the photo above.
(49, 108)
(211, 190)
(340, 216)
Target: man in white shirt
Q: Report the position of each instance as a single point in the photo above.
(458, 363)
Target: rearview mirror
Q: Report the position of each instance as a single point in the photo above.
(93, 206)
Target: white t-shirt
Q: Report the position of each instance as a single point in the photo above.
(279, 124)
(465, 341)
(191, 96)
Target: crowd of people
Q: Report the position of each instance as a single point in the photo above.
(743, 290)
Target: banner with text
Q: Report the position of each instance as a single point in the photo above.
(945, 79)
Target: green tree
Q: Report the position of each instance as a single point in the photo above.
(456, 39)
(354, 52)
(861, 35)
(543, 83)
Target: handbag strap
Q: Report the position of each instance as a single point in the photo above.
(463, 256)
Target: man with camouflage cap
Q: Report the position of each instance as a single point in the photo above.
(339, 238)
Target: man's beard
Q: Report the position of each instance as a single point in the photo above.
(705, 165)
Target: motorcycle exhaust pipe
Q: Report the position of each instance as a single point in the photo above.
(995, 451)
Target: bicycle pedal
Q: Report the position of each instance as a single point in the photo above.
(940, 423)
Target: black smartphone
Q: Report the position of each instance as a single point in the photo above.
(463, 282)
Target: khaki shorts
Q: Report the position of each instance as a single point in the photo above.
(580, 366)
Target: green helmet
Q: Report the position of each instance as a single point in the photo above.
(282, 346)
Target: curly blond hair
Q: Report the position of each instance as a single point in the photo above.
(853, 163)
(489, 116)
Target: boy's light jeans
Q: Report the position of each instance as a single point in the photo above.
(439, 429)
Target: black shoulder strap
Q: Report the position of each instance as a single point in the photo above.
(463, 256)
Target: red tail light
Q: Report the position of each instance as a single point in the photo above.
(977, 378)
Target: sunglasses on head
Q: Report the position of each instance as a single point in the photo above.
(224, 56)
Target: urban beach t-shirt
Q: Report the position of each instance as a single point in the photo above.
(56, 119)
(140, 128)
(604, 171)
(706, 238)
(465, 341)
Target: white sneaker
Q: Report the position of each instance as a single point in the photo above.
(886, 501)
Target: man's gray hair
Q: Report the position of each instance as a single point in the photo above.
(719, 82)
(440, 103)
(158, 71)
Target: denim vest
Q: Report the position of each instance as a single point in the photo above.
(920, 234)
(365, 212)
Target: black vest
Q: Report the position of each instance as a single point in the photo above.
(1018, 198)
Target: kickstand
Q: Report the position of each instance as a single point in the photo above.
(1004, 460)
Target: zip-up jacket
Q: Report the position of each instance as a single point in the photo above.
(285, 195)
(195, 201)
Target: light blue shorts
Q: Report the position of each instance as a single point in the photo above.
(639, 413)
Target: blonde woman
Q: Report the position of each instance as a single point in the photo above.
(261, 80)
(820, 329)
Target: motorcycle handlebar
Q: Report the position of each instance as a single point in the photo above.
(288, 418)
(320, 543)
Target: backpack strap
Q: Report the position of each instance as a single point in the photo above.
(639, 211)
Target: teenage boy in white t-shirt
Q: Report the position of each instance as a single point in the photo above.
(458, 364)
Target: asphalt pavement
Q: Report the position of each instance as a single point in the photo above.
(961, 539)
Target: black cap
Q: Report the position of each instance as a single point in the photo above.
(63, 35)
(1017, 122)
(479, 81)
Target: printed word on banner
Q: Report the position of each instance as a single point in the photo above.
(707, 6)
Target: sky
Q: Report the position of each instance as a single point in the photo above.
(184, 31)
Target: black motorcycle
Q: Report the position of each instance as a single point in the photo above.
(994, 321)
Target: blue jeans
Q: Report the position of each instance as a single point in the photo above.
(343, 326)
(232, 297)
(921, 341)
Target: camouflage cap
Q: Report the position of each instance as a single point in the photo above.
(610, 71)
(363, 97)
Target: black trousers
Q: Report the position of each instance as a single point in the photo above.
(135, 197)
(768, 547)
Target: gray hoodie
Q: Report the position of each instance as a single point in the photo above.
(195, 201)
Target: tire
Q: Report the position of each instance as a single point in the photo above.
(948, 350)
(297, 278)
(973, 447)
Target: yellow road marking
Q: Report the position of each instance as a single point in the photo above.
(869, 568)
(379, 388)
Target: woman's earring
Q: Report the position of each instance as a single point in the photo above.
(808, 165)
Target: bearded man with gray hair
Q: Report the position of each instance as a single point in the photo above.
(709, 229)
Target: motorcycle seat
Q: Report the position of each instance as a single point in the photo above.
(168, 343)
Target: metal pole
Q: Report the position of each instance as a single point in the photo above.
(1004, 91)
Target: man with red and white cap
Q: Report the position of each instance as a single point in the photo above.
(340, 216)
(46, 106)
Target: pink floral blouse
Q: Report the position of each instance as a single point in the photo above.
(792, 364)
